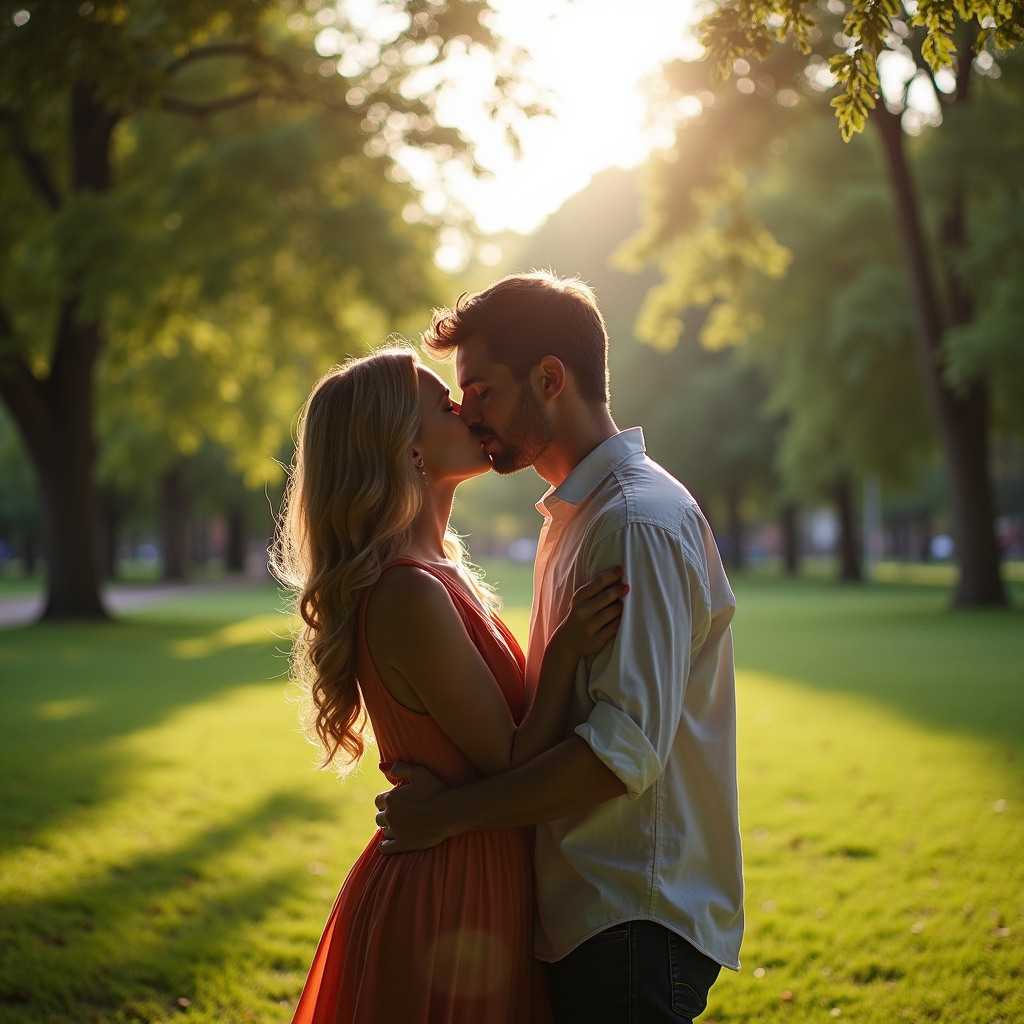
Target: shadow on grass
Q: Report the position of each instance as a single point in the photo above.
(68, 692)
(122, 937)
(130, 943)
(902, 646)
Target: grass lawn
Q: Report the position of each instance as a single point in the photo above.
(167, 852)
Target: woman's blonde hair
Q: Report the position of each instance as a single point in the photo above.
(352, 498)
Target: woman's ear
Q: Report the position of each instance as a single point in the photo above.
(548, 378)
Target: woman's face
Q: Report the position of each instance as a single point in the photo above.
(450, 451)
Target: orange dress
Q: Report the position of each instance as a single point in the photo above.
(439, 936)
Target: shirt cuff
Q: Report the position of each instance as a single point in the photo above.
(620, 744)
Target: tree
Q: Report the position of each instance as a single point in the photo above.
(704, 417)
(960, 406)
(180, 176)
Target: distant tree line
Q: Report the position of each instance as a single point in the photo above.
(205, 206)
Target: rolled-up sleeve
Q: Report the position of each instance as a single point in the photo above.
(638, 682)
(622, 746)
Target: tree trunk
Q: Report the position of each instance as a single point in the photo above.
(55, 414)
(962, 419)
(927, 533)
(234, 557)
(54, 417)
(199, 542)
(736, 559)
(790, 529)
(849, 549)
(30, 550)
(110, 531)
(70, 522)
(174, 524)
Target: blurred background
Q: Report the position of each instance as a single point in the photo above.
(811, 263)
(205, 205)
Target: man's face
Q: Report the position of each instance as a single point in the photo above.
(502, 413)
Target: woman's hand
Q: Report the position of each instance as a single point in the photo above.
(594, 614)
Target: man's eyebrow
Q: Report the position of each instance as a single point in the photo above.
(469, 382)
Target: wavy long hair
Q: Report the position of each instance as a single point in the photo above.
(352, 498)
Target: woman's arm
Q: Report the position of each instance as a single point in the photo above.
(429, 663)
(592, 621)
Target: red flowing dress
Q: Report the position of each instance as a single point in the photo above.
(439, 936)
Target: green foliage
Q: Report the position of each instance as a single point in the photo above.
(780, 243)
(735, 29)
(710, 267)
(835, 341)
(857, 72)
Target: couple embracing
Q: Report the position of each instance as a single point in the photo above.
(614, 735)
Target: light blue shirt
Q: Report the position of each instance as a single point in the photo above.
(657, 706)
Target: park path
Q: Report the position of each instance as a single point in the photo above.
(25, 609)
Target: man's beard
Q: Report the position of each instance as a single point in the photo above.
(527, 437)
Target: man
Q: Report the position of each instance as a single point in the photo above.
(637, 861)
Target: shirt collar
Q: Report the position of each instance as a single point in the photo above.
(587, 474)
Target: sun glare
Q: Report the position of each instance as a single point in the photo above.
(590, 58)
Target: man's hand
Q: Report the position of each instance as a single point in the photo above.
(408, 815)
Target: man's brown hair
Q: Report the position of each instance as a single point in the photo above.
(523, 318)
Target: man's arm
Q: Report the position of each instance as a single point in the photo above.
(564, 780)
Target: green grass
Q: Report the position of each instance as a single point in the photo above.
(882, 805)
(168, 853)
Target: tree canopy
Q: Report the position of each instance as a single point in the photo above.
(205, 204)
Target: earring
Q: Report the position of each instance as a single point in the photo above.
(421, 466)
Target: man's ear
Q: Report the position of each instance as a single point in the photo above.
(548, 378)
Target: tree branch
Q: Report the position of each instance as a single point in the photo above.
(229, 50)
(204, 110)
(32, 162)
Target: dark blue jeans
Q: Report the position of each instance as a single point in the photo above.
(633, 973)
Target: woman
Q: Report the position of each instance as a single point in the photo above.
(399, 630)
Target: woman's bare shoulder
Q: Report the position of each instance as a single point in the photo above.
(410, 604)
(402, 589)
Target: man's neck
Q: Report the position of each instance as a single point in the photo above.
(575, 438)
